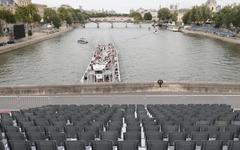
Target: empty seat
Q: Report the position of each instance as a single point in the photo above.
(75, 145)
(15, 136)
(102, 145)
(35, 136)
(46, 145)
(157, 145)
(11, 129)
(153, 135)
(225, 136)
(19, 145)
(59, 137)
(86, 136)
(128, 145)
(199, 136)
(132, 136)
(34, 129)
(212, 145)
(2, 146)
(233, 145)
(71, 131)
(51, 129)
(176, 136)
(110, 135)
(184, 145)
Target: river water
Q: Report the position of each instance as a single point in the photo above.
(143, 56)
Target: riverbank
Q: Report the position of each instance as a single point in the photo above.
(225, 39)
(36, 38)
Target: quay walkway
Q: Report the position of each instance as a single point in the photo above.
(15, 98)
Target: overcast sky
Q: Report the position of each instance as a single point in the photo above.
(123, 6)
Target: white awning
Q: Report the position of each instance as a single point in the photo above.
(98, 67)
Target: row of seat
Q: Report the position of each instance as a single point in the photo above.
(122, 145)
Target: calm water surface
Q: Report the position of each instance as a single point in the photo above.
(144, 56)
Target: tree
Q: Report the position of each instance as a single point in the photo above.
(186, 18)
(6, 17)
(27, 14)
(136, 16)
(147, 16)
(174, 16)
(51, 16)
(164, 14)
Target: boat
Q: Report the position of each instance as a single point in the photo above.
(173, 28)
(104, 66)
(82, 41)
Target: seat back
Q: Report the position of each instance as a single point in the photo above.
(157, 145)
(19, 145)
(128, 145)
(75, 145)
(2, 146)
(102, 145)
(233, 145)
(184, 145)
(212, 145)
(46, 145)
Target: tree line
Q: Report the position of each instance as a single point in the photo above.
(29, 15)
(228, 17)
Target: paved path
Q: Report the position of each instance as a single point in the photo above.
(15, 103)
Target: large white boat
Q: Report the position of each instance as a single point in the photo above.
(104, 66)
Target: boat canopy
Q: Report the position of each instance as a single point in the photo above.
(98, 67)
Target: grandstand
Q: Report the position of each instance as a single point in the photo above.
(122, 127)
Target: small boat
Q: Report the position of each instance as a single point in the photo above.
(82, 41)
(103, 67)
(173, 28)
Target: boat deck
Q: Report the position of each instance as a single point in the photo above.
(104, 66)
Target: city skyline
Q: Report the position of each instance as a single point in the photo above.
(123, 6)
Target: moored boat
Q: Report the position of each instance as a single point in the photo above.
(104, 66)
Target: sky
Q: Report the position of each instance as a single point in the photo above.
(123, 6)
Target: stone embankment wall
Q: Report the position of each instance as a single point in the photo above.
(124, 88)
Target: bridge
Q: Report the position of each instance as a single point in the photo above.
(113, 20)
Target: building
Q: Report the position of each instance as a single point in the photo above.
(173, 8)
(153, 12)
(6, 2)
(212, 4)
(23, 2)
(40, 8)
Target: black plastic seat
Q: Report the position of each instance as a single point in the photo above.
(46, 145)
(157, 145)
(15, 136)
(233, 145)
(132, 136)
(86, 136)
(199, 136)
(51, 129)
(11, 129)
(34, 129)
(152, 135)
(128, 145)
(71, 131)
(184, 145)
(19, 145)
(176, 136)
(2, 146)
(75, 145)
(35, 136)
(59, 137)
(212, 145)
(225, 136)
(110, 136)
(102, 145)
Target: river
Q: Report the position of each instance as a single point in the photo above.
(143, 56)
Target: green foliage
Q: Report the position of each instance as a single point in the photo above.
(228, 17)
(147, 16)
(198, 14)
(174, 16)
(7, 16)
(30, 33)
(164, 14)
(27, 14)
(71, 15)
(51, 16)
(136, 16)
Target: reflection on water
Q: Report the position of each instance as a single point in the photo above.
(144, 56)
